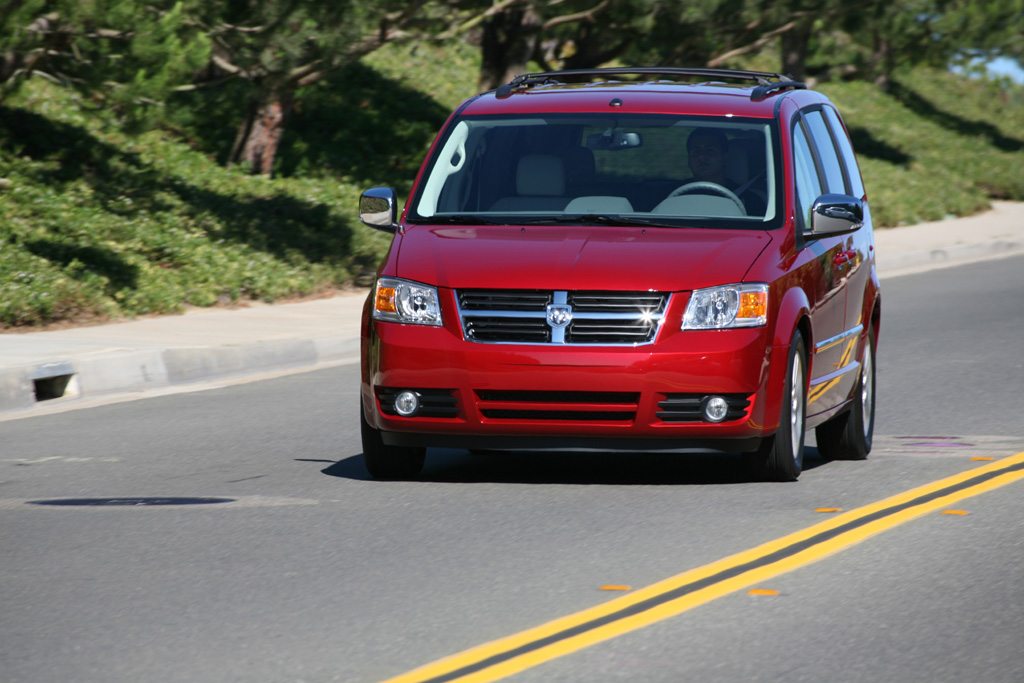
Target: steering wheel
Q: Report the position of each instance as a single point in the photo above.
(706, 187)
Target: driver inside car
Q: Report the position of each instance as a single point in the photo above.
(708, 155)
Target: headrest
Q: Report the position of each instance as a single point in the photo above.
(540, 175)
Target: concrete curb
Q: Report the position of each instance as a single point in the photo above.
(954, 255)
(126, 370)
(58, 367)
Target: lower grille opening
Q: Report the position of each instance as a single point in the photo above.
(567, 415)
(570, 406)
(613, 397)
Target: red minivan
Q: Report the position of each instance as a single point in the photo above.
(644, 258)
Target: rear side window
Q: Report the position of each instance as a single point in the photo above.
(846, 150)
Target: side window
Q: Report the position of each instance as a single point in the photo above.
(846, 150)
(827, 155)
(808, 184)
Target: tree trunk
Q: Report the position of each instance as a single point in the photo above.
(508, 43)
(260, 135)
(794, 51)
(882, 62)
(594, 48)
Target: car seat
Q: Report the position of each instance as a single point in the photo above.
(540, 185)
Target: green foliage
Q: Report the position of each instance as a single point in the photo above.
(97, 224)
(935, 145)
(124, 55)
(373, 121)
(19, 46)
(268, 41)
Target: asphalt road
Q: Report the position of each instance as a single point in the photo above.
(313, 572)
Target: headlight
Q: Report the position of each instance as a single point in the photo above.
(718, 308)
(402, 301)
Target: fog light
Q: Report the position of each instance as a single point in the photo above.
(407, 403)
(715, 409)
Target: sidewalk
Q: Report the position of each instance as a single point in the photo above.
(995, 233)
(40, 369)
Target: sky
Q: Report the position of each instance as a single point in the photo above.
(1005, 66)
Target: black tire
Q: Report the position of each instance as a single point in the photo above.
(781, 456)
(388, 462)
(848, 436)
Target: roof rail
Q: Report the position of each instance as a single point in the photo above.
(767, 82)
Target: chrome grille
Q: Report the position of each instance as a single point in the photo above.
(503, 300)
(501, 329)
(596, 318)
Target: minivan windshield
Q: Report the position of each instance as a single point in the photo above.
(630, 169)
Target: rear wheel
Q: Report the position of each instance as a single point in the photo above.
(781, 456)
(848, 436)
(388, 462)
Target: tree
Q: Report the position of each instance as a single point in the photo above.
(526, 30)
(793, 27)
(130, 57)
(602, 36)
(20, 48)
(278, 47)
(938, 32)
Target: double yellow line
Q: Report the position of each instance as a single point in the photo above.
(507, 656)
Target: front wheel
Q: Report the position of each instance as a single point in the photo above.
(388, 462)
(781, 456)
(848, 436)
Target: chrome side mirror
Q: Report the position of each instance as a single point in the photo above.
(378, 208)
(836, 214)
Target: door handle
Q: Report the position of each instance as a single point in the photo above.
(841, 259)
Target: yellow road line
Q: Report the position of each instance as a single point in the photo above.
(672, 596)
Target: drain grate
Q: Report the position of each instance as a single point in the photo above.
(129, 502)
(54, 380)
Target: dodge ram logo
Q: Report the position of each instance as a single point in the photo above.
(559, 315)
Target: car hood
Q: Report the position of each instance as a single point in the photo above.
(577, 257)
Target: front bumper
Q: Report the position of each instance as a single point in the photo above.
(550, 396)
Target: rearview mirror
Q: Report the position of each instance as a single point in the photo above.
(378, 209)
(614, 139)
(836, 214)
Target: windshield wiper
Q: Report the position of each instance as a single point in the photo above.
(576, 219)
(600, 219)
(459, 219)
